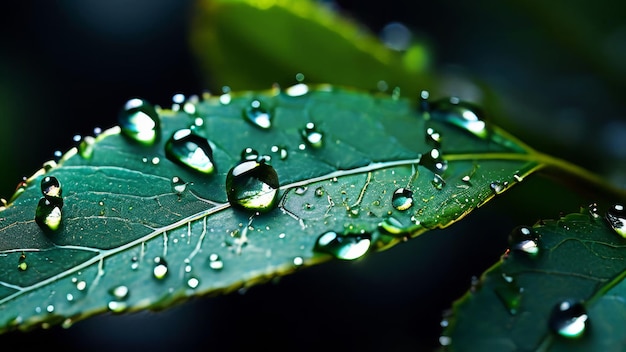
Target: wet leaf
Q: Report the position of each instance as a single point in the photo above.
(253, 44)
(564, 294)
(199, 199)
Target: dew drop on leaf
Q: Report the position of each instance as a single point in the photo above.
(51, 187)
(140, 122)
(160, 268)
(281, 151)
(250, 154)
(524, 239)
(252, 185)
(433, 138)
(616, 217)
(312, 136)
(215, 262)
(402, 199)
(85, 147)
(48, 213)
(258, 115)
(497, 187)
(120, 292)
(434, 161)
(346, 247)
(568, 319)
(191, 150)
(461, 114)
(178, 185)
(593, 210)
(438, 182)
(22, 265)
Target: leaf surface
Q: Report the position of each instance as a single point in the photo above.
(130, 237)
(580, 259)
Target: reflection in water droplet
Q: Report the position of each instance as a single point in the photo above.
(568, 319)
(215, 262)
(48, 214)
(258, 115)
(402, 199)
(312, 136)
(140, 122)
(249, 154)
(190, 150)
(616, 217)
(347, 247)
(461, 114)
(160, 268)
(438, 182)
(178, 185)
(252, 185)
(51, 187)
(524, 239)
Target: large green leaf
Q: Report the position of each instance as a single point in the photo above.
(559, 288)
(124, 219)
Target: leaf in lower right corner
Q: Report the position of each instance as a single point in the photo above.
(559, 287)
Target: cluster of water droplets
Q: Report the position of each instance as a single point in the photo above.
(48, 214)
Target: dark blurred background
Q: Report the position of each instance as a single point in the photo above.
(558, 68)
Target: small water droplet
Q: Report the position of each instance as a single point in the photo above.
(215, 262)
(178, 185)
(346, 247)
(252, 185)
(319, 191)
(258, 115)
(139, 121)
(593, 210)
(297, 90)
(281, 151)
(134, 263)
(51, 187)
(616, 217)
(48, 214)
(250, 154)
(568, 319)
(312, 136)
(524, 239)
(160, 268)
(300, 190)
(497, 187)
(120, 292)
(461, 114)
(433, 138)
(298, 261)
(193, 282)
(438, 182)
(191, 150)
(402, 199)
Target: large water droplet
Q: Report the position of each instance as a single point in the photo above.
(252, 185)
(459, 113)
(616, 216)
(140, 122)
(48, 214)
(524, 239)
(51, 187)
(160, 268)
(312, 136)
(568, 319)
(402, 199)
(258, 115)
(190, 150)
(347, 247)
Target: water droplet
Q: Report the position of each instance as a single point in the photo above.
(178, 185)
(524, 239)
(193, 282)
(434, 161)
(85, 147)
(258, 115)
(312, 136)
(319, 191)
(140, 122)
(433, 138)
(297, 90)
(461, 114)
(188, 149)
(298, 261)
(347, 247)
(281, 150)
(215, 262)
(394, 227)
(160, 268)
(48, 214)
(120, 292)
(402, 199)
(438, 182)
(568, 319)
(21, 264)
(616, 217)
(594, 212)
(51, 187)
(498, 187)
(300, 190)
(252, 185)
(509, 293)
(250, 154)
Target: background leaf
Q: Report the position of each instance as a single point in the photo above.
(579, 258)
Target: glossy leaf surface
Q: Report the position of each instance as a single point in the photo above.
(147, 223)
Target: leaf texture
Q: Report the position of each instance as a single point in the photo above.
(140, 230)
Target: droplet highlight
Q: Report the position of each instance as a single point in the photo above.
(461, 114)
(51, 187)
(190, 150)
(139, 121)
(524, 239)
(252, 185)
(48, 214)
(160, 268)
(568, 319)
(346, 247)
(616, 217)
(312, 136)
(402, 199)
(258, 115)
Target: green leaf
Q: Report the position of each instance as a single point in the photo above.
(579, 259)
(140, 230)
(254, 44)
